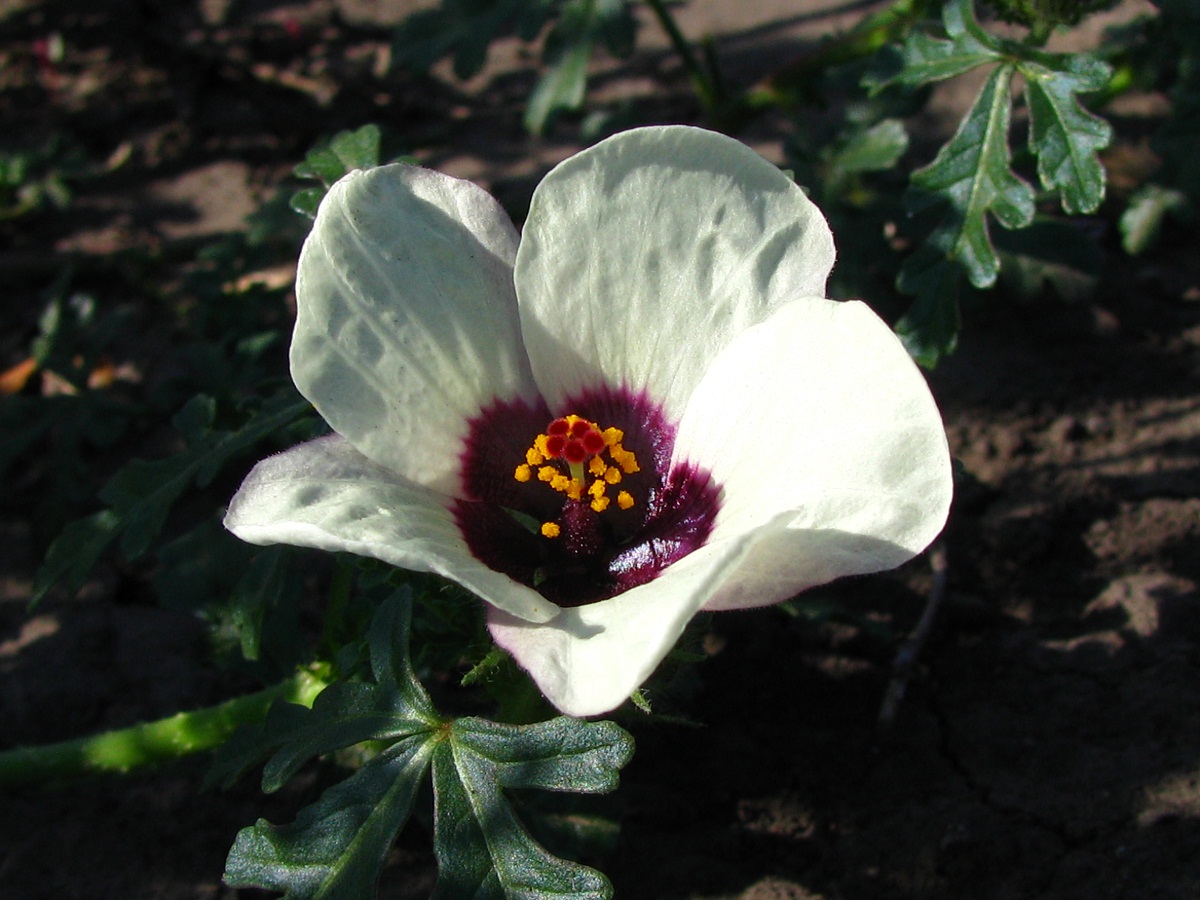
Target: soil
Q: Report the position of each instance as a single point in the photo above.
(1048, 745)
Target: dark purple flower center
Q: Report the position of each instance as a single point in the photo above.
(585, 506)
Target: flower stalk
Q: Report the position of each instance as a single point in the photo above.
(149, 743)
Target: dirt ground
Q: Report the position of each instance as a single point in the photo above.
(1049, 744)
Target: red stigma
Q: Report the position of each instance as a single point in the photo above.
(559, 427)
(575, 452)
(593, 442)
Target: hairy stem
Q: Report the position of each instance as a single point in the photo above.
(148, 743)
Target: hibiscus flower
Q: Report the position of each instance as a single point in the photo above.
(640, 407)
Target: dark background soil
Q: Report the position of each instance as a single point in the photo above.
(1049, 744)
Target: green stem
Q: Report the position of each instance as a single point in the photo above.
(147, 743)
(702, 80)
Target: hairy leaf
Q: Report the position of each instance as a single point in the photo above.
(972, 174)
(483, 851)
(1064, 136)
(394, 707)
(336, 847)
(926, 58)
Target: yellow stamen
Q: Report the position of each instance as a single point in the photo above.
(590, 477)
(623, 458)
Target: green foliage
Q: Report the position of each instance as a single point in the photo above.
(972, 178)
(337, 846)
(36, 178)
(347, 151)
(1143, 217)
(1064, 136)
(1044, 15)
(571, 31)
(142, 494)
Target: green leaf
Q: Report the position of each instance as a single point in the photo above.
(875, 149)
(929, 330)
(336, 848)
(347, 151)
(926, 58)
(1064, 136)
(563, 87)
(394, 707)
(143, 493)
(482, 849)
(1142, 219)
(972, 174)
(75, 552)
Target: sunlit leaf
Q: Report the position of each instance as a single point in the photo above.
(561, 88)
(926, 58)
(1064, 136)
(875, 149)
(972, 174)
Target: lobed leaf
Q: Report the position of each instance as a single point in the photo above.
(1065, 137)
(336, 848)
(972, 174)
(482, 849)
(393, 708)
(926, 58)
(929, 330)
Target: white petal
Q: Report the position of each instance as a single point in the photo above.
(590, 658)
(326, 495)
(818, 411)
(644, 255)
(407, 319)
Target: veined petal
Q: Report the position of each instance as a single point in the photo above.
(643, 256)
(820, 412)
(589, 659)
(324, 494)
(407, 322)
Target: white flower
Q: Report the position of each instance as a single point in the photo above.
(640, 408)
